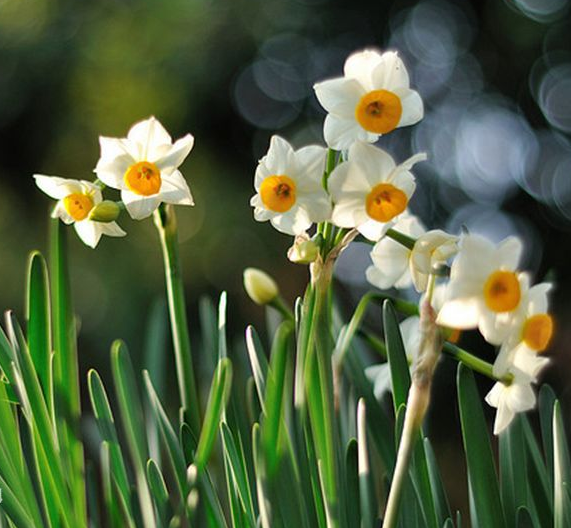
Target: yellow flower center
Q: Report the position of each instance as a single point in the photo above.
(537, 332)
(78, 205)
(385, 201)
(502, 292)
(278, 193)
(143, 178)
(379, 111)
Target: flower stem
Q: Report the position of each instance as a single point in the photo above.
(475, 363)
(416, 406)
(401, 238)
(165, 220)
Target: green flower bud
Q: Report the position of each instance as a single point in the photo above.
(303, 251)
(105, 211)
(260, 287)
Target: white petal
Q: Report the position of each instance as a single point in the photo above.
(360, 66)
(89, 232)
(112, 171)
(410, 331)
(339, 96)
(494, 327)
(390, 259)
(504, 417)
(537, 302)
(317, 205)
(341, 133)
(508, 253)
(309, 167)
(176, 154)
(150, 135)
(175, 190)
(376, 164)
(412, 107)
(390, 73)
(520, 396)
(294, 222)
(349, 212)
(140, 207)
(112, 148)
(461, 313)
(405, 181)
(56, 187)
(348, 180)
(276, 160)
(380, 376)
(112, 229)
(60, 212)
(374, 230)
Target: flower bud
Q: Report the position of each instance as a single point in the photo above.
(303, 251)
(261, 288)
(105, 211)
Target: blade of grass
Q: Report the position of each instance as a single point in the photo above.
(131, 412)
(486, 508)
(219, 392)
(561, 472)
(67, 400)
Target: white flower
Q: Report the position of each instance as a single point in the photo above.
(530, 334)
(76, 199)
(510, 399)
(391, 259)
(373, 98)
(144, 166)
(289, 189)
(380, 375)
(370, 191)
(396, 265)
(485, 289)
(432, 248)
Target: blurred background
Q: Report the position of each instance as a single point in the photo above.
(495, 77)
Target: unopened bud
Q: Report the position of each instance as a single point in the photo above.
(105, 211)
(303, 251)
(261, 288)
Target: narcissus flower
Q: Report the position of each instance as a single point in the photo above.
(530, 335)
(144, 166)
(485, 288)
(76, 200)
(391, 259)
(288, 186)
(509, 399)
(370, 191)
(373, 98)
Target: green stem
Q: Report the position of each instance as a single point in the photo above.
(475, 363)
(401, 238)
(165, 220)
(279, 304)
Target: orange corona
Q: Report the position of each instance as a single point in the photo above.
(379, 111)
(143, 178)
(385, 201)
(278, 193)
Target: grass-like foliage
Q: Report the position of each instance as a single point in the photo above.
(301, 441)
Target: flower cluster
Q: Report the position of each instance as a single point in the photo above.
(355, 187)
(143, 166)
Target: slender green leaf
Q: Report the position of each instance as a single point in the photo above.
(561, 472)
(524, 519)
(258, 362)
(219, 392)
(67, 400)
(396, 354)
(169, 437)
(441, 504)
(38, 316)
(513, 477)
(131, 413)
(222, 345)
(236, 466)
(546, 404)
(157, 483)
(486, 508)
(352, 483)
